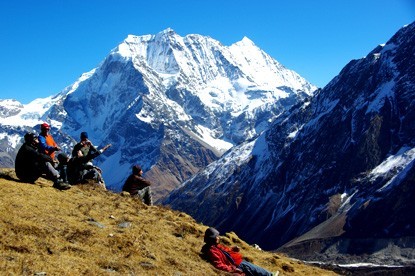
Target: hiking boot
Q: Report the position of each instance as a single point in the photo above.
(61, 185)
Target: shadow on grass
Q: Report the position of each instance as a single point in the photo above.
(11, 176)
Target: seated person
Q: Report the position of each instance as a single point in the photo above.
(137, 186)
(47, 144)
(228, 259)
(85, 146)
(80, 168)
(30, 164)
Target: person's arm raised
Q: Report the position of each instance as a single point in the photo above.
(105, 148)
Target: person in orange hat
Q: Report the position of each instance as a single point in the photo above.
(47, 144)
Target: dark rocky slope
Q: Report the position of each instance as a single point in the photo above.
(341, 164)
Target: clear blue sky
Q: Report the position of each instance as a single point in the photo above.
(46, 45)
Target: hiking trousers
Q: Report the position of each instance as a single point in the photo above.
(145, 195)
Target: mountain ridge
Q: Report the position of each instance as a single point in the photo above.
(173, 104)
(334, 152)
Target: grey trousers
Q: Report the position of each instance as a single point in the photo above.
(50, 170)
(145, 195)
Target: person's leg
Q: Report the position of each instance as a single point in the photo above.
(253, 270)
(51, 171)
(100, 179)
(63, 172)
(53, 174)
(148, 199)
(145, 195)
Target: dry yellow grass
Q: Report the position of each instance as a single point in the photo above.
(87, 231)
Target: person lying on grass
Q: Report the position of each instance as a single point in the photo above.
(228, 259)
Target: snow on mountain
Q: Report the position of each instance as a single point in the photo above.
(16, 119)
(9, 107)
(173, 104)
(223, 78)
(26, 115)
(315, 183)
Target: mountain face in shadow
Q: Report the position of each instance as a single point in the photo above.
(333, 170)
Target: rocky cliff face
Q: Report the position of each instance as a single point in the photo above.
(172, 104)
(339, 163)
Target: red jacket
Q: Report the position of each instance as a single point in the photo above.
(220, 260)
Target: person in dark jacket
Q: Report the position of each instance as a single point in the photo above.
(228, 259)
(138, 186)
(85, 146)
(30, 164)
(80, 167)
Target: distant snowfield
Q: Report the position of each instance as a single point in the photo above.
(367, 265)
(356, 265)
(30, 114)
(207, 136)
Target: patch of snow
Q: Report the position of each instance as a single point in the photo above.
(328, 106)
(403, 157)
(8, 103)
(168, 80)
(367, 265)
(12, 140)
(396, 163)
(356, 265)
(144, 117)
(345, 205)
(384, 92)
(207, 136)
(293, 134)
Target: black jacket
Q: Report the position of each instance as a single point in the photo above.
(134, 183)
(77, 166)
(29, 163)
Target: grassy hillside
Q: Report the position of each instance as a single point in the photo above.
(88, 231)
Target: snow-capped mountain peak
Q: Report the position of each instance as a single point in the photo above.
(173, 103)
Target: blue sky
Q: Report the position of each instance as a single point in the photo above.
(46, 45)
